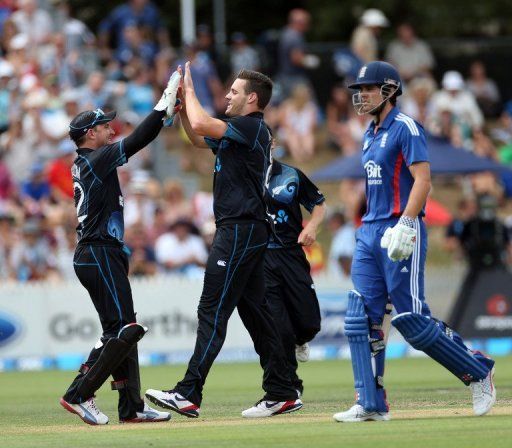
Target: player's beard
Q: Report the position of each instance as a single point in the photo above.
(235, 110)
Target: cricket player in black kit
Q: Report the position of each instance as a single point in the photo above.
(290, 290)
(101, 261)
(234, 271)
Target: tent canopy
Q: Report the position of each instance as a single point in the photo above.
(444, 159)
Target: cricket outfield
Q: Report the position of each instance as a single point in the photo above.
(429, 408)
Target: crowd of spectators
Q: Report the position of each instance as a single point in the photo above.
(52, 66)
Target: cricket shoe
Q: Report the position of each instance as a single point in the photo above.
(266, 408)
(302, 352)
(87, 411)
(484, 394)
(174, 401)
(148, 415)
(357, 414)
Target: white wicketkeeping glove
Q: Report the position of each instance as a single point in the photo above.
(168, 99)
(400, 239)
(169, 119)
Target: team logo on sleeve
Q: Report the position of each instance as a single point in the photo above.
(373, 173)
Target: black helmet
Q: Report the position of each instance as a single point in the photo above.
(87, 120)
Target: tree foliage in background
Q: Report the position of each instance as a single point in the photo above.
(333, 20)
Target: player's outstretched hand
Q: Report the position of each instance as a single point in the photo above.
(168, 99)
(399, 240)
(188, 84)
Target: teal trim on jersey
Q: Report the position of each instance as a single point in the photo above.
(257, 135)
(90, 167)
(233, 134)
(122, 157)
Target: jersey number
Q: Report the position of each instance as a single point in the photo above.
(79, 200)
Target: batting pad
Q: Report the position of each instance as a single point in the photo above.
(357, 330)
(424, 334)
(113, 353)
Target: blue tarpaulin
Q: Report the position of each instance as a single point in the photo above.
(444, 159)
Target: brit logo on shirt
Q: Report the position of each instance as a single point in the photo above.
(373, 173)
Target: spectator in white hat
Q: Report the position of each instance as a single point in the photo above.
(364, 43)
(457, 99)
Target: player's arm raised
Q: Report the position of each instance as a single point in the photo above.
(201, 123)
(148, 130)
(194, 138)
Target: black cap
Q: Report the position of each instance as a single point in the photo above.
(87, 120)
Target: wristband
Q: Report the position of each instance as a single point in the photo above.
(406, 221)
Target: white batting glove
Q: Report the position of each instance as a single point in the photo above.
(386, 238)
(168, 99)
(400, 239)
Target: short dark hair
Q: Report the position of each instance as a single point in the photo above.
(258, 83)
(78, 140)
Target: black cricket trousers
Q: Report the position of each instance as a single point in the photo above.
(103, 271)
(234, 278)
(291, 295)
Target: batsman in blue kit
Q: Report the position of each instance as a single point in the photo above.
(391, 248)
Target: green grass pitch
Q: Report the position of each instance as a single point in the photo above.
(429, 408)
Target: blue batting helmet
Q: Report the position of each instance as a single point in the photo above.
(378, 73)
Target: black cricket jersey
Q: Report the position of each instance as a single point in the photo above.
(242, 166)
(288, 189)
(98, 198)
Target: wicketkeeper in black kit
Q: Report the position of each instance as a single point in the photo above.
(101, 263)
(290, 290)
(234, 272)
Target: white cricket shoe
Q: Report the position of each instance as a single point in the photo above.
(170, 399)
(484, 394)
(265, 408)
(302, 352)
(148, 415)
(357, 414)
(87, 411)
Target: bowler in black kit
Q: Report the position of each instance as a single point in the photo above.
(234, 275)
(101, 261)
(290, 290)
